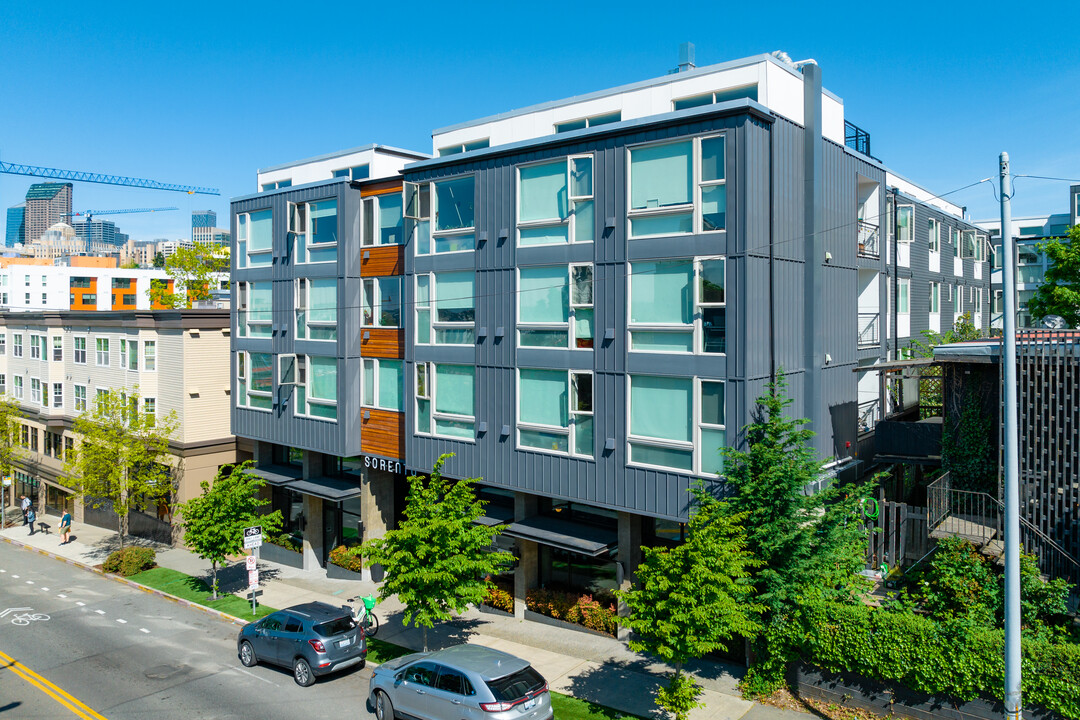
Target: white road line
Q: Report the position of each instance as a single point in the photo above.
(121, 621)
(268, 682)
(100, 612)
(61, 595)
(80, 604)
(2, 570)
(29, 582)
(44, 589)
(14, 577)
(144, 630)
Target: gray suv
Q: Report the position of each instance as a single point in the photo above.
(466, 682)
(313, 639)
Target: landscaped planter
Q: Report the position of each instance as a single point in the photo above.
(537, 617)
(336, 572)
(281, 556)
(496, 611)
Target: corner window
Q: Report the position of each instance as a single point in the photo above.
(254, 316)
(315, 378)
(446, 400)
(905, 215)
(677, 423)
(555, 202)
(316, 308)
(382, 302)
(934, 230)
(445, 220)
(967, 244)
(555, 411)
(678, 188)
(255, 381)
(254, 239)
(383, 383)
(678, 306)
(313, 231)
(587, 122)
(451, 295)
(384, 220)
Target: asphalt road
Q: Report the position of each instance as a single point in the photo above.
(107, 650)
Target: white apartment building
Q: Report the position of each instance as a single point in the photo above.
(33, 288)
(54, 365)
(362, 163)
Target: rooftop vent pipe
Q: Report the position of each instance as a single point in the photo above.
(796, 64)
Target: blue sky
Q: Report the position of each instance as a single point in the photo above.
(206, 93)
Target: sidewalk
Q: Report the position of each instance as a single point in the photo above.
(587, 666)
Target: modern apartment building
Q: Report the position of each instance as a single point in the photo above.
(594, 293)
(1032, 264)
(15, 232)
(46, 205)
(317, 268)
(54, 364)
(33, 288)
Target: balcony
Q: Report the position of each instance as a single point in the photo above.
(869, 335)
(869, 414)
(868, 240)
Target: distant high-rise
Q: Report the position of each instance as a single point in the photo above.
(203, 218)
(210, 235)
(99, 231)
(16, 225)
(46, 205)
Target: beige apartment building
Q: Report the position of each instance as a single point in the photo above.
(54, 363)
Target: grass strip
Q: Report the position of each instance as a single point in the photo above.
(197, 591)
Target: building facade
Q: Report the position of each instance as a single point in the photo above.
(101, 232)
(16, 225)
(46, 205)
(33, 288)
(54, 365)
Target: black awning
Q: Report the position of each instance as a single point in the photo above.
(565, 535)
(496, 515)
(277, 474)
(327, 488)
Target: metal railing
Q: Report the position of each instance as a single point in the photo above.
(856, 138)
(869, 414)
(868, 240)
(869, 335)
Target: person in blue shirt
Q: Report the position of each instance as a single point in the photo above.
(65, 528)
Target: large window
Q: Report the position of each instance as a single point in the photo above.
(973, 246)
(444, 213)
(678, 306)
(446, 400)
(102, 357)
(555, 202)
(254, 372)
(678, 188)
(254, 239)
(383, 220)
(255, 311)
(555, 411)
(382, 302)
(315, 378)
(677, 423)
(313, 231)
(316, 308)
(452, 296)
(555, 306)
(383, 383)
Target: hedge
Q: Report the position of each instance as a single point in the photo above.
(130, 560)
(962, 660)
(347, 557)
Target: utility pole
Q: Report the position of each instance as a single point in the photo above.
(1012, 462)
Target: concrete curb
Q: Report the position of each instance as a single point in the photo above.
(120, 579)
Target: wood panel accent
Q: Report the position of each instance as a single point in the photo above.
(382, 343)
(383, 433)
(382, 188)
(383, 261)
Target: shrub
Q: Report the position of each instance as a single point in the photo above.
(286, 541)
(573, 608)
(499, 599)
(347, 557)
(130, 561)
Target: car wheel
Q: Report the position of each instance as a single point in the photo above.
(384, 709)
(302, 674)
(247, 655)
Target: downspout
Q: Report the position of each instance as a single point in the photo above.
(894, 306)
(772, 243)
(814, 252)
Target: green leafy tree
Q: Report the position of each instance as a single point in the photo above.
(807, 544)
(438, 559)
(1040, 600)
(192, 270)
(931, 397)
(10, 451)
(214, 521)
(121, 457)
(692, 598)
(1060, 292)
(130, 265)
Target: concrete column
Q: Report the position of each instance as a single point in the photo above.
(377, 508)
(629, 559)
(313, 532)
(527, 570)
(312, 464)
(262, 453)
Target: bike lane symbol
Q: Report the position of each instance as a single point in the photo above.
(21, 616)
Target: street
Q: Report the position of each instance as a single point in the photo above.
(95, 648)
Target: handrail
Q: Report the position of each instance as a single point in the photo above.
(868, 239)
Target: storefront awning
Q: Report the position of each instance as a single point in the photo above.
(326, 488)
(496, 515)
(569, 536)
(277, 474)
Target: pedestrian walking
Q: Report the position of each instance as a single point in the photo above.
(65, 528)
(24, 503)
(31, 517)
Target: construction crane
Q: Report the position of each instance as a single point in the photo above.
(35, 171)
(89, 214)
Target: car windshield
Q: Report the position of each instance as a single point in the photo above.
(336, 626)
(516, 686)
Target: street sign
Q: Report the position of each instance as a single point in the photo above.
(253, 578)
(253, 537)
(251, 560)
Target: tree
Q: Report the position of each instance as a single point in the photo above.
(931, 395)
(807, 544)
(121, 457)
(10, 451)
(192, 270)
(692, 598)
(214, 521)
(131, 264)
(1060, 292)
(438, 559)
(159, 260)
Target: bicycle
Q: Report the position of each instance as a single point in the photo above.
(27, 618)
(364, 615)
